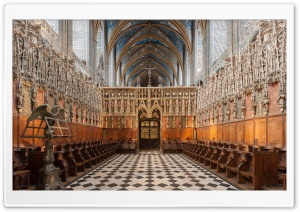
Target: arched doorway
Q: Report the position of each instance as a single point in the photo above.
(149, 130)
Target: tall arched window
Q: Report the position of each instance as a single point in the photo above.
(54, 24)
(199, 51)
(80, 39)
(218, 42)
(244, 26)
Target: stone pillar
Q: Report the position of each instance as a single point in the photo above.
(92, 52)
(105, 56)
(117, 73)
(112, 79)
(121, 81)
(235, 37)
(65, 38)
(179, 75)
(184, 68)
(174, 80)
(205, 54)
(194, 61)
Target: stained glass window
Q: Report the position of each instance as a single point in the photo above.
(80, 39)
(199, 52)
(218, 32)
(99, 42)
(244, 26)
(54, 24)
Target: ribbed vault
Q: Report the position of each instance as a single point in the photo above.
(159, 44)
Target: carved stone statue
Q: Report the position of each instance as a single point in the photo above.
(138, 82)
(20, 98)
(33, 97)
(159, 81)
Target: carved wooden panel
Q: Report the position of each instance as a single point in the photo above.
(79, 133)
(260, 131)
(220, 132)
(187, 133)
(206, 133)
(232, 132)
(15, 131)
(225, 132)
(199, 133)
(249, 132)
(213, 133)
(275, 131)
(73, 129)
(240, 132)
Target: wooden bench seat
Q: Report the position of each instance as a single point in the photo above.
(21, 179)
(76, 154)
(234, 163)
(259, 169)
(252, 165)
(214, 157)
(91, 153)
(86, 156)
(166, 147)
(68, 156)
(132, 147)
(173, 147)
(61, 163)
(208, 155)
(246, 174)
(94, 148)
(202, 154)
(197, 153)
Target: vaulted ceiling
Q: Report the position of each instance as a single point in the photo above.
(140, 44)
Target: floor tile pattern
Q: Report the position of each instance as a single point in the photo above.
(149, 171)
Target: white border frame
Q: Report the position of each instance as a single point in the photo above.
(144, 198)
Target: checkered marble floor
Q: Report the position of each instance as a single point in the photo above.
(149, 172)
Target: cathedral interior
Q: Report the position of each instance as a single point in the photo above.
(149, 105)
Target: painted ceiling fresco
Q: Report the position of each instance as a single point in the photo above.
(158, 44)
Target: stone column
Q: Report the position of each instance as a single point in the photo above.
(174, 80)
(113, 77)
(235, 37)
(92, 52)
(179, 75)
(205, 54)
(194, 61)
(105, 56)
(121, 81)
(185, 67)
(65, 37)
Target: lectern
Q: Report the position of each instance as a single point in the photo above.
(47, 125)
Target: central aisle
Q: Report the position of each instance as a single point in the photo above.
(149, 171)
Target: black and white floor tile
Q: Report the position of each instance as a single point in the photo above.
(149, 171)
